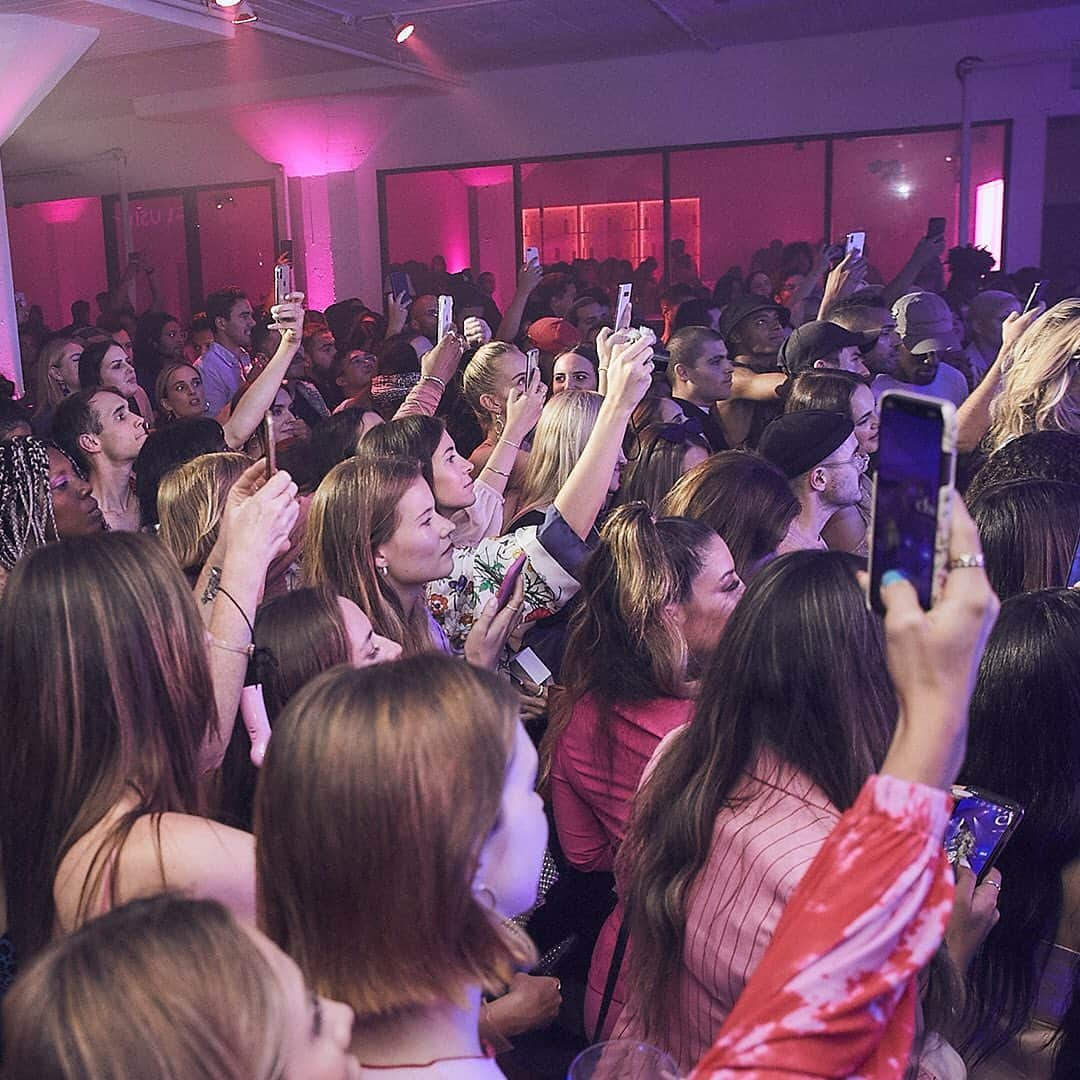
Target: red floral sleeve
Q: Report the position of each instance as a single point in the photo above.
(835, 993)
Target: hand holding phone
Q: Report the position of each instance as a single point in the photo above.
(532, 363)
(399, 286)
(855, 242)
(532, 255)
(510, 579)
(267, 427)
(913, 491)
(980, 826)
(446, 316)
(623, 307)
(1035, 296)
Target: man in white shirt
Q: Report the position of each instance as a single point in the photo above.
(927, 336)
(222, 365)
(819, 454)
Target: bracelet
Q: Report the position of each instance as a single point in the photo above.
(497, 472)
(601, 368)
(434, 379)
(506, 442)
(242, 650)
(214, 586)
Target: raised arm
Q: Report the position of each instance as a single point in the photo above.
(845, 278)
(523, 409)
(973, 416)
(258, 398)
(582, 497)
(926, 250)
(511, 321)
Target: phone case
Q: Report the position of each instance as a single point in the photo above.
(446, 315)
(283, 282)
(622, 308)
(946, 491)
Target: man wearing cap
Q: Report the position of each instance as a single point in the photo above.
(925, 325)
(869, 317)
(700, 375)
(754, 331)
(819, 454)
(820, 344)
(552, 336)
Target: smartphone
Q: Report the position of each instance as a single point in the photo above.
(446, 316)
(399, 283)
(532, 254)
(1035, 297)
(256, 721)
(526, 666)
(913, 490)
(980, 826)
(1074, 570)
(623, 307)
(855, 241)
(935, 228)
(532, 362)
(268, 441)
(283, 273)
(506, 589)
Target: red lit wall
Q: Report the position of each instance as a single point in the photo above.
(58, 254)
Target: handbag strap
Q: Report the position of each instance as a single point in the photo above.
(612, 975)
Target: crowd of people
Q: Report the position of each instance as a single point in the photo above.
(380, 699)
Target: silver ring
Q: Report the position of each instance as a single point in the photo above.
(965, 562)
(996, 884)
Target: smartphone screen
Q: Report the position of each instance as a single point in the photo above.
(935, 228)
(911, 491)
(268, 442)
(1074, 570)
(1035, 297)
(446, 315)
(623, 307)
(532, 254)
(855, 241)
(979, 828)
(399, 283)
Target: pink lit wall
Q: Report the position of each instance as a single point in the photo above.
(428, 214)
(495, 212)
(236, 238)
(58, 254)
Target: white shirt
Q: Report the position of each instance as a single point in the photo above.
(948, 383)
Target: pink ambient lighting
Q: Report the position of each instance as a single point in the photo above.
(65, 211)
(989, 211)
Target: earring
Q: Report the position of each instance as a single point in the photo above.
(384, 570)
(487, 892)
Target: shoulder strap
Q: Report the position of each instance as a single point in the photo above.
(612, 975)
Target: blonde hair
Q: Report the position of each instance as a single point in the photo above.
(354, 511)
(160, 988)
(380, 788)
(1040, 384)
(479, 377)
(161, 387)
(49, 391)
(560, 437)
(191, 500)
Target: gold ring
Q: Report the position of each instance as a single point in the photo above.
(967, 561)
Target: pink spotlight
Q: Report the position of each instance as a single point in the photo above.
(403, 32)
(989, 212)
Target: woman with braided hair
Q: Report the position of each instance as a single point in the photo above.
(42, 499)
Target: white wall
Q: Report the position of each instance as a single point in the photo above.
(869, 81)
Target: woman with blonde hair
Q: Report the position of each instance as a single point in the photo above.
(408, 940)
(189, 992)
(493, 370)
(1040, 383)
(191, 500)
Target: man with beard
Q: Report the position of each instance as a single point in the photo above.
(927, 337)
(222, 365)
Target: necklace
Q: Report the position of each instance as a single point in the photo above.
(486, 1056)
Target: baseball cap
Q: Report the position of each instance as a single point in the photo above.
(554, 335)
(811, 342)
(797, 441)
(925, 323)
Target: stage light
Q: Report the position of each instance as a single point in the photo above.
(226, 3)
(245, 13)
(403, 31)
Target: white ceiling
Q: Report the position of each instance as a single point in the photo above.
(167, 59)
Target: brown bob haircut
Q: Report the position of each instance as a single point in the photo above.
(380, 787)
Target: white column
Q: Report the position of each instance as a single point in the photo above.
(10, 360)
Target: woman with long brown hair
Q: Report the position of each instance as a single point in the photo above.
(795, 712)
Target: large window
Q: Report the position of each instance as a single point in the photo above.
(712, 208)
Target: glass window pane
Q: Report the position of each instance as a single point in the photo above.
(236, 239)
(58, 255)
(741, 199)
(891, 185)
(158, 234)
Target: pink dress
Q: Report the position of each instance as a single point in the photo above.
(835, 993)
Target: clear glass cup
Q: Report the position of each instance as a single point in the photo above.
(623, 1059)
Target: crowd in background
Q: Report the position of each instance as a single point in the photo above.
(376, 697)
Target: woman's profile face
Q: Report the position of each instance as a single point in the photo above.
(512, 855)
(315, 1032)
(365, 646)
(452, 476)
(509, 373)
(864, 415)
(184, 395)
(713, 596)
(419, 550)
(75, 509)
(65, 368)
